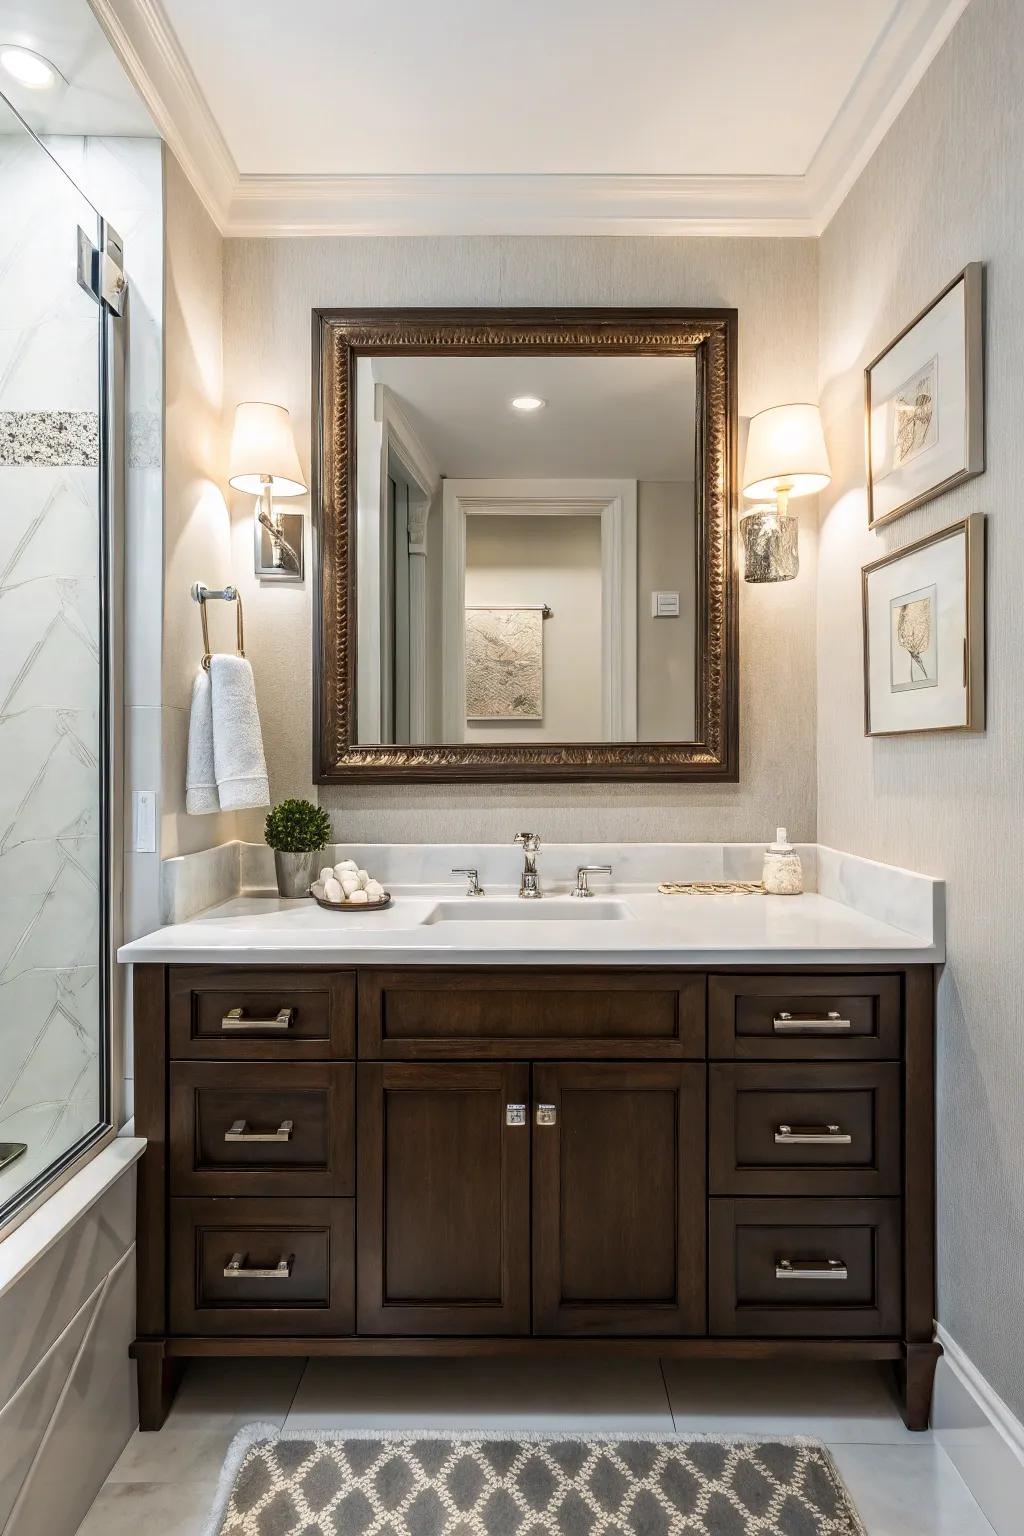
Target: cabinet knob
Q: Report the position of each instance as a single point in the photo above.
(547, 1114)
(515, 1114)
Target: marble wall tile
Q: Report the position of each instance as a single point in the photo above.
(49, 667)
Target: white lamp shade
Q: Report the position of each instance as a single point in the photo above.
(262, 447)
(786, 451)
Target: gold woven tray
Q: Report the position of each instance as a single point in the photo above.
(712, 888)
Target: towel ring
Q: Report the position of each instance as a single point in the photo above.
(202, 594)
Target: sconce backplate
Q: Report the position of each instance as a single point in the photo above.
(291, 567)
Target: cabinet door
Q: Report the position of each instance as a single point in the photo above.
(444, 1186)
(619, 1212)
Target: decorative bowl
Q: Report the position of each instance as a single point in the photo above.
(348, 906)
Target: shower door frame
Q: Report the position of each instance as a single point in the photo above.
(112, 350)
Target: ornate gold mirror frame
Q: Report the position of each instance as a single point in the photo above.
(340, 337)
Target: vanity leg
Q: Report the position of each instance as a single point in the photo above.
(158, 1377)
(915, 1374)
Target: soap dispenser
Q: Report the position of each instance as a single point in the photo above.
(783, 873)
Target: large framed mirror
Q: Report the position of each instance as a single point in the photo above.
(524, 547)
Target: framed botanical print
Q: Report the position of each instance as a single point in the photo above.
(924, 403)
(924, 634)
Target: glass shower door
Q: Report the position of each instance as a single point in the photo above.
(54, 671)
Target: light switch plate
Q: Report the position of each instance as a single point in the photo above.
(664, 605)
(144, 821)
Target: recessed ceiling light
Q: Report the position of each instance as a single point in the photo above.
(29, 69)
(528, 403)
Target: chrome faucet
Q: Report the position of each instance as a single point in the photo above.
(529, 886)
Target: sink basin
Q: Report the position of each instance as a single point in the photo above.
(550, 909)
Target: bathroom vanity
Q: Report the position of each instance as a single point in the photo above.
(463, 1134)
(472, 1124)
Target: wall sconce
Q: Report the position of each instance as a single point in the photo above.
(264, 463)
(786, 457)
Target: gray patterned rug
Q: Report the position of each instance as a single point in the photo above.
(299, 1483)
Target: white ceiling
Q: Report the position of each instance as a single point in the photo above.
(617, 417)
(539, 87)
(557, 116)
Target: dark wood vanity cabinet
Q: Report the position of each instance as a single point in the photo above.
(443, 1161)
(619, 1203)
(444, 1199)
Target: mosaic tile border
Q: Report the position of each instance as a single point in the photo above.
(51, 438)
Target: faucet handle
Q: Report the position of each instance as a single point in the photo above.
(474, 888)
(528, 841)
(582, 871)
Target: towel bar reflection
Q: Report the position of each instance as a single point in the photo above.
(202, 594)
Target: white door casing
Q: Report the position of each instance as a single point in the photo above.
(614, 501)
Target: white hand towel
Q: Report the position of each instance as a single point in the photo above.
(240, 767)
(201, 796)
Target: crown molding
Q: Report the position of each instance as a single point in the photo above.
(266, 206)
(891, 74)
(152, 57)
(510, 205)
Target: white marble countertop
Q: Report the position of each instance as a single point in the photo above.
(715, 930)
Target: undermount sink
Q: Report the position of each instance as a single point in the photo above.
(551, 909)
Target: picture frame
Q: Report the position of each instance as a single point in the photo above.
(505, 663)
(923, 611)
(924, 407)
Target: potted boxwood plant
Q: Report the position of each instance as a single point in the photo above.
(296, 830)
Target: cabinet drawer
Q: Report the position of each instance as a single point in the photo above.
(805, 1268)
(272, 1015)
(794, 1018)
(262, 1267)
(262, 1128)
(827, 1129)
(518, 1014)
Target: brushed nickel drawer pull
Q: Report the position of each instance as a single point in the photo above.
(811, 1136)
(234, 1269)
(238, 1132)
(811, 1269)
(235, 1019)
(784, 1023)
(515, 1114)
(547, 1114)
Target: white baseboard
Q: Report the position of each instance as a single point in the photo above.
(999, 1414)
(981, 1435)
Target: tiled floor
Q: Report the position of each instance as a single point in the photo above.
(903, 1484)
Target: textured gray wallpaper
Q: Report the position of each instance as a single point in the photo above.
(270, 286)
(945, 187)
